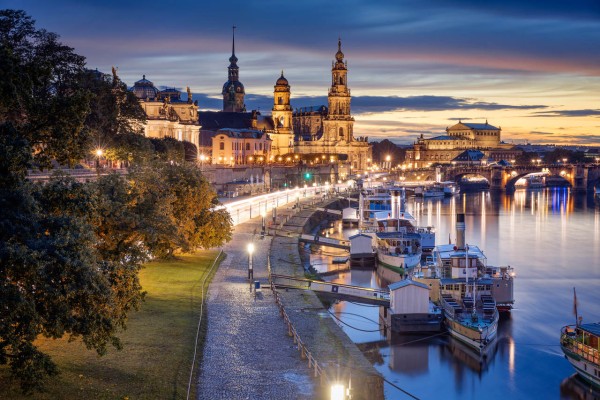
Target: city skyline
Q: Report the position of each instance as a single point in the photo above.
(414, 67)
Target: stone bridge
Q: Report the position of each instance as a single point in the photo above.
(581, 177)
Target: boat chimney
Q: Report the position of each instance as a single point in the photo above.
(460, 231)
(395, 204)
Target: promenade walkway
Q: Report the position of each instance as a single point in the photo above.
(247, 352)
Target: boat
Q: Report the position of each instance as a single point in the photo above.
(450, 188)
(466, 297)
(580, 344)
(398, 242)
(434, 191)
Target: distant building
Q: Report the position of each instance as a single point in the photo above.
(240, 146)
(167, 115)
(460, 137)
(328, 132)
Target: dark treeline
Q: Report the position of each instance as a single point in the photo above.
(70, 252)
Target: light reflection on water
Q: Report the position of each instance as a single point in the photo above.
(552, 238)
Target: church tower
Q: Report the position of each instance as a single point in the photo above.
(283, 138)
(338, 125)
(233, 90)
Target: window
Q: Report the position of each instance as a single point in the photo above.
(248, 146)
(222, 146)
(341, 132)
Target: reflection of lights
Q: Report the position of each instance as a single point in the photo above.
(511, 356)
(337, 392)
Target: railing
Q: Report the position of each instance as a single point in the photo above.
(572, 344)
(305, 354)
(328, 287)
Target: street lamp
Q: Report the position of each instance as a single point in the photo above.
(99, 153)
(250, 269)
(202, 159)
(262, 215)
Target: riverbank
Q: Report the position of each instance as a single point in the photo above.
(157, 346)
(320, 341)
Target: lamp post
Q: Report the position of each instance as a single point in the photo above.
(263, 228)
(202, 158)
(250, 268)
(99, 153)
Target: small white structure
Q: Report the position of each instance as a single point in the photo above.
(409, 297)
(350, 215)
(361, 244)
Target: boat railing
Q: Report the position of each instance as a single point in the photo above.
(570, 340)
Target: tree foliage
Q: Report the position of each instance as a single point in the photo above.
(70, 252)
(385, 148)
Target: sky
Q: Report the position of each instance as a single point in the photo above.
(414, 66)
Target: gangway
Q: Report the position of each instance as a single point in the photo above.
(338, 291)
(329, 210)
(325, 241)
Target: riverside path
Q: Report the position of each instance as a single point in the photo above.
(247, 352)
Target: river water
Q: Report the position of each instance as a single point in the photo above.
(552, 239)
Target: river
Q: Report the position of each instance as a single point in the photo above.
(552, 239)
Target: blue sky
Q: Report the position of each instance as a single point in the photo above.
(415, 66)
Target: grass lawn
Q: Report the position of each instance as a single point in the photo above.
(158, 344)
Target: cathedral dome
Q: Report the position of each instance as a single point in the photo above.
(144, 89)
(282, 81)
(235, 86)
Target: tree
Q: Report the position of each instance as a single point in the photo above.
(56, 280)
(385, 148)
(114, 110)
(178, 208)
(41, 95)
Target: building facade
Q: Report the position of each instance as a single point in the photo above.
(167, 115)
(240, 147)
(459, 138)
(329, 131)
(281, 114)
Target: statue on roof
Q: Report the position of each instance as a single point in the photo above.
(189, 93)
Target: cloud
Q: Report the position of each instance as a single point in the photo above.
(374, 104)
(539, 133)
(568, 113)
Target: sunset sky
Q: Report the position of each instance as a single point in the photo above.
(415, 66)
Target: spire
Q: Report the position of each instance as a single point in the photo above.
(339, 56)
(233, 59)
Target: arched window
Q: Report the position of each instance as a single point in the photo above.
(280, 100)
(341, 134)
(222, 146)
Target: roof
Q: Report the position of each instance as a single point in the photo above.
(359, 235)
(483, 127)
(480, 281)
(447, 251)
(215, 120)
(594, 328)
(444, 137)
(392, 235)
(469, 125)
(469, 155)
(322, 109)
(405, 283)
(242, 133)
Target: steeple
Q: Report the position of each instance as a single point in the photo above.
(233, 67)
(233, 90)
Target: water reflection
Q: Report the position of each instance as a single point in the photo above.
(552, 237)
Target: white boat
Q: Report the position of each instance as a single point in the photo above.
(469, 307)
(450, 188)
(398, 242)
(580, 344)
(433, 191)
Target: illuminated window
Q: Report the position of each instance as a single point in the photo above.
(222, 146)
